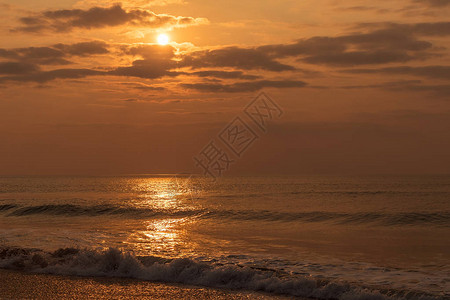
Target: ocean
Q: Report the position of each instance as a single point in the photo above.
(373, 237)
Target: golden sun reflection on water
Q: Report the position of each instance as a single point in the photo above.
(164, 193)
(162, 234)
(158, 236)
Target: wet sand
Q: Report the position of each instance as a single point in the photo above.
(19, 285)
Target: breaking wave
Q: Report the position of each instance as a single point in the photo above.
(115, 263)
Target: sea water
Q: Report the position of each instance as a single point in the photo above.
(371, 237)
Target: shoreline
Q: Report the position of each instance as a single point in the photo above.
(22, 285)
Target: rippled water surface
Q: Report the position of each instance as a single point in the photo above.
(384, 233)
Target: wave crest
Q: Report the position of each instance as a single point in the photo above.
(378, 218)
(116, 263)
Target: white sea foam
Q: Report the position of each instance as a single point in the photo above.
(116, 263)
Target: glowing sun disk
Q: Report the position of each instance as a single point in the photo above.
(163, 39)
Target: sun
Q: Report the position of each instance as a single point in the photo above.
(163, 39)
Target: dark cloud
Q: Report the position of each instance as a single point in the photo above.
(45, 76)
(311, 46)
(241, 58)
(424, 29)
(149, 69)
(384, 85)
(141, 86)
(150, 88)
(438, 72)
(396, 38)
(157, 61)
(380, 44)
(247, 86)
(17, 68)
(38, 55)
(361, 8)
(151, 51)
(385, 39)
(411, 29)
(56, 54)
(437, 90)
(433, 3)
(358, 8)
(224, 74)
(99, 17)
(394, 44)
(354, 58)
(154, 59)
(84, 48)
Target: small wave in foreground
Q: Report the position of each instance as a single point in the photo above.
(115, 263)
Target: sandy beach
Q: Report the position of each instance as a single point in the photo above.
(19, 285)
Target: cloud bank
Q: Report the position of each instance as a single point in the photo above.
(100, 17)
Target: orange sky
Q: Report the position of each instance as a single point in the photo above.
(85, 89)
